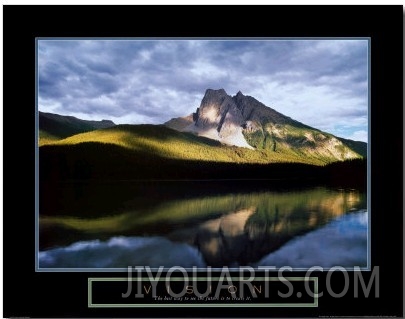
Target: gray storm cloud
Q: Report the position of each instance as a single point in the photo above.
(323, 83)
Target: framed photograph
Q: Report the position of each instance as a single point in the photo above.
(220, 173)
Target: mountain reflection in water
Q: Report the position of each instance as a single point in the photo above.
(224, 230)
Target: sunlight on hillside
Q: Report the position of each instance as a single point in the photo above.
(46, 138)
(167, 143)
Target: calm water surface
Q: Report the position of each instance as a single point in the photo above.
(127, 224)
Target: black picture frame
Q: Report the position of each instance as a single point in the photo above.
(28, 293)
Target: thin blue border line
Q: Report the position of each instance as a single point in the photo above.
(198, 269)
(275, 39)
(38, 269)
(36, 159)
(198, 38)
(369, 159)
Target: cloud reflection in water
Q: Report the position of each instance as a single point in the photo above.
(121, 252)
(343, 242)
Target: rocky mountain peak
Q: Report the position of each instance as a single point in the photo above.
(213, 92)
(239, 94)
(215, 106)
(243, 121)
(223, 117)
(219, 118)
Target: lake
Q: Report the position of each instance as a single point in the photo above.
(200, 223)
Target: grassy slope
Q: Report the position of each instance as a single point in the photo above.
(358, 147)
(168, 143)
(304, 141)
(55, 127)
(47, 138)
(152, 152)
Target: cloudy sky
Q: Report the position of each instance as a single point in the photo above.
(322, 83)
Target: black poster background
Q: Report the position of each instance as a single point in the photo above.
(31, 294)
